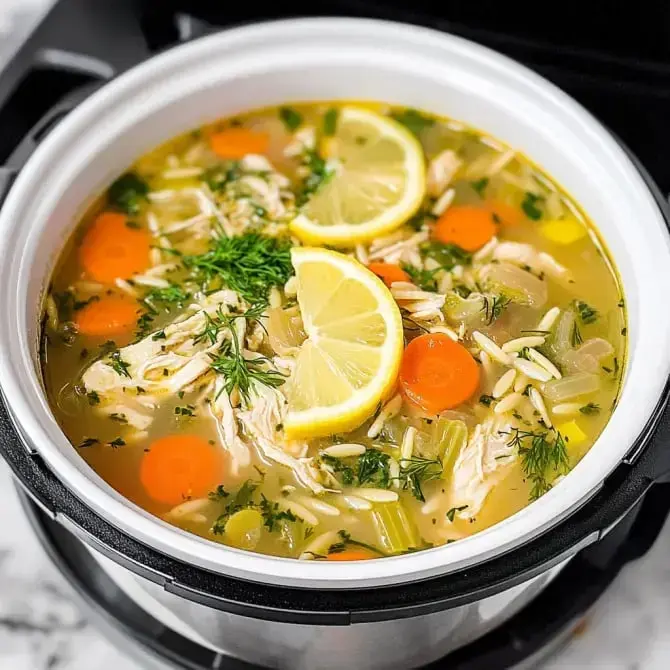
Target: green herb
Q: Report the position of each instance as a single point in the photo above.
(291, 118)
(118, 364)
(117, 442)
(128, 192)
(624, 332)
(219, 176)
(239, 372)
(493, 307)
(250, 264)
(413, 120)
(88, 442)
(587, 314)
(415, 471)
(451, 514)
(218, 494)
(93, 398)
(447, 255)
(486, 400)
(479, 186)
(529, 206)
(373, 468)
(242, 499)
(80, 304)
(524, 353)
(133, 225)
(160, 335)
(184, 411)
(590, 408)
(575, 335)
(540, 455)
(420, 220)
(347, 472)
(318, 174)
(171, 295)
(119, 418)
(424, 279)
(330, 121)
(621, 303)
(273, 515)
(144, 324)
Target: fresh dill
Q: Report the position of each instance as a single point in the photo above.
(238, 372)
(447, 255)
(88, 442)
(590, 409)
(128, 192)
(347, 473)
(374, 468)
(118, 417)
(575, 335)
(415, 471)
(493, 307)
(479, 186)
(166, 297)
(541, 454)
(424, 279)
(117, 442)
(587, 314)
(93, 398)
(189, 411)
(529, 206)
(219, 493)
(318, 173)
(118, 364)
(219, 176)
(272, 515)
(291, 118)
(451, 514)
(241, 499)
(250, 264)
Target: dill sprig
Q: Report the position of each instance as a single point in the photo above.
(118, 364)
(540, 456)
(250, 264)
(493, 307)
(238, 372)
(416, 470)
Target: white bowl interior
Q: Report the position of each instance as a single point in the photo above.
(327, 59)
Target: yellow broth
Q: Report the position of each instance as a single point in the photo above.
(115, 450)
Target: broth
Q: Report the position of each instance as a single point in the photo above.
(147, 259)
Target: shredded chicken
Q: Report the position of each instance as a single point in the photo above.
(441, 171)
(481, 465)
(223, 412)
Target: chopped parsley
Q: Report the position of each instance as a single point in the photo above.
(414, 121)
(93, 398)
(128, 192)
(219, 176)
(590, 409)
(185, 411)
(160, 335)
(272, 515)
(117, 442)
(218, 494)
(330, 121)
(241, 499)
(486, 400)
(291, 118)
(118, 417)
(479, 186)
(171, 295)
(373, 468)
(318, 174)
(587, 314)
(530, 207)
(347, 473)
(250, 264)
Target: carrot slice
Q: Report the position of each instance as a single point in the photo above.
(238, 142)
(352, 555)
(388, 272)
(179, 467)
(467, 226)
(437, 373)
(505, 214)
(111, 249)
(111, 315)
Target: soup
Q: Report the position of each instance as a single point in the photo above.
(333, 332)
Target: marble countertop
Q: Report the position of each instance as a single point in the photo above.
(42, 629)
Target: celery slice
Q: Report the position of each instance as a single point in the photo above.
(451, 437)
(395, 530)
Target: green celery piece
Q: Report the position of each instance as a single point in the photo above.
(396, 531)
(451, 436)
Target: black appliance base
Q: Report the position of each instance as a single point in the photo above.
(522, 642)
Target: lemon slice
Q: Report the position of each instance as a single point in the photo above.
(377, 181)
(350, 359)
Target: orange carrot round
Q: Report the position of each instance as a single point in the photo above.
(467, 226)
(179, 467)
(388, 272)
(111, 249)
(437, 373)
(238, 142)
(352, 555)
(111, 315)
(505, 214)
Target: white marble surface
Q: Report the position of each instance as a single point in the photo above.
(41, 628)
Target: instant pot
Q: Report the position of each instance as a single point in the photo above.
(226, 608)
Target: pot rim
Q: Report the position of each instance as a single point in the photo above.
(643, 383)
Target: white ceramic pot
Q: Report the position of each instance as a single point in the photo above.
(328, 59)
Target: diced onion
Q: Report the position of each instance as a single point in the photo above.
(572, 386)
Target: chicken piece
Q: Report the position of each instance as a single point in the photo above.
(223, 412)
(262, 421)
(481, 465)
(441, 170)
